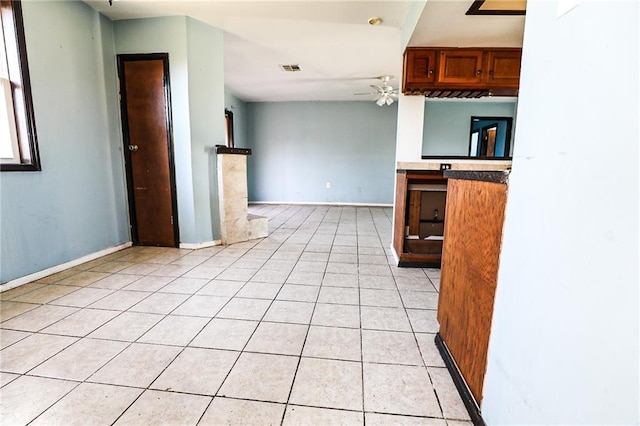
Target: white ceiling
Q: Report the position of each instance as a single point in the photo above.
(339, 52)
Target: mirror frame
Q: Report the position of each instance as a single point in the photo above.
(508, 137)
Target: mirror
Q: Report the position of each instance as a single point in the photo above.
(449, 123)
(490, 137)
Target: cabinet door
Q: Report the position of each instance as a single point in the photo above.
(503, 68)
(470, 260)
(460, 66)
(420, 66)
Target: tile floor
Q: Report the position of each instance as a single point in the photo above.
(312, 325)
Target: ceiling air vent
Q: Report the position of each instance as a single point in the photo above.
(290, 68)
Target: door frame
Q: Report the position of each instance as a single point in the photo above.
(121, 59)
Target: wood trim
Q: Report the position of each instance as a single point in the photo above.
(221, 149)
(420, 260)
(400, 207)
(414, 212)
(475, 9)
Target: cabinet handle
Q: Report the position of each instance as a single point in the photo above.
(430, 72)
(479, 72)
(491, 72)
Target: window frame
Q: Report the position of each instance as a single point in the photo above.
(11, 11)
(5, 88)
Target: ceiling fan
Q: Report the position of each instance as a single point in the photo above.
(385, 94)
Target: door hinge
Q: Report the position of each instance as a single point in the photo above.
(172, 220)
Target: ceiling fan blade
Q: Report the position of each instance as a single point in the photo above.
(378, 88)
(367, 93)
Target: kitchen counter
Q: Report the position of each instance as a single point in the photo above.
(478, 175)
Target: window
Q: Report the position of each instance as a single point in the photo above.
(18, 142)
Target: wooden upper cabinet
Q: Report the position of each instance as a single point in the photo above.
(460, 67)
(461, 70)
(503, 67)
(420, 65)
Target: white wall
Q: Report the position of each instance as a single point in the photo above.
(409, 133)
(564, 341)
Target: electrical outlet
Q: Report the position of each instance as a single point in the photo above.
(445, 166)
(328, 185)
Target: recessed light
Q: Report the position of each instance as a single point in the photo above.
(374, 21)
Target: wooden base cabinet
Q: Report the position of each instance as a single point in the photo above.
(419, 217)
(470, 259)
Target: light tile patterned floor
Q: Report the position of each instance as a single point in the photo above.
(313, 325)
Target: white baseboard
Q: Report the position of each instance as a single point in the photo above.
(314, 203)
(196, 246)
(395, 255)
(59, 268)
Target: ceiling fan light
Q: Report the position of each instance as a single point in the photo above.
(389, 100)
(380, 101)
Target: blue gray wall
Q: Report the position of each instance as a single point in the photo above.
(197, 97)
(206, 109)
(447, 123)
(300, 146)
(77, 204)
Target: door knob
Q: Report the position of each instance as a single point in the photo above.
(133, 147)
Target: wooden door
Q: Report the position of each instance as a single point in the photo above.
(145, 109)
(491, 142)
(460, 66)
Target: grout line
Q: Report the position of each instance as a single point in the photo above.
(295, 374)
(290, 227)
(364, 417)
